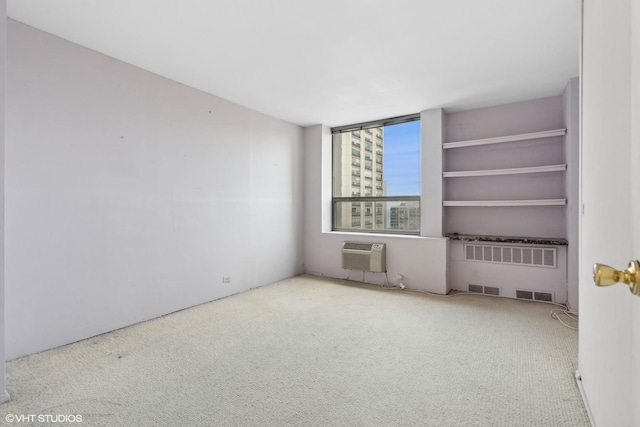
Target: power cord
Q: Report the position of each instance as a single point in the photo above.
(570, 314)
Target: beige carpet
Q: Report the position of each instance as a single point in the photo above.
(315, 352)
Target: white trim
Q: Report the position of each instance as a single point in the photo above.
(501, 139)
(4, 397)
(587, 408)
(512, 171)
(492, 203)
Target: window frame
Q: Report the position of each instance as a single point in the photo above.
(376, 166)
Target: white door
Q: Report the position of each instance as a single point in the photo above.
(609, 349)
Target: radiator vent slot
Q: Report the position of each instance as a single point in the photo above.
(534, 295)
(524, 294)
(480, 289)
(543, 296)
(476, 289)
(514, 255)
(491, 290)
(364, 256)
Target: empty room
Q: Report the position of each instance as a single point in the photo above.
(337, 213)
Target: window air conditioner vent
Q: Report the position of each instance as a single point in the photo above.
(364, 256)
(357, 246)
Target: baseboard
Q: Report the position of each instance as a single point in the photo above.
(578, 378)
(4, 397)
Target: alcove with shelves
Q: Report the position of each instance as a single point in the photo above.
(507, 185)
(509, 176)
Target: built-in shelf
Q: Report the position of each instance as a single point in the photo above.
(501, 139)
(512, 171)
(496, 203)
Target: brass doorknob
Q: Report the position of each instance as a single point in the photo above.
(603, 275)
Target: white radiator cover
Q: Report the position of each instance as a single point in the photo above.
(516, 255)
(364, 256)
(510, 277)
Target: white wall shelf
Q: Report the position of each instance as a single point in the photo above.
(496, 203)
(501, 139)
(512, 171)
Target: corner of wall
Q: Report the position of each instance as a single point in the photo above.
(194, 188)
(432, 132)
(317, 193)
(326, 190)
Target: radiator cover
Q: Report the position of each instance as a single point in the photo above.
(514, 255)
(364, 256)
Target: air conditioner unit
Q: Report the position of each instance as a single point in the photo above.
(364, 256)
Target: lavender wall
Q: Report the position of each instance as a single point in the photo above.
(507, 119)
(129, 196)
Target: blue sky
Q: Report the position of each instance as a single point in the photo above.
(402, 159)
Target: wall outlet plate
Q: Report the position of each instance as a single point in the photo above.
(226, 279)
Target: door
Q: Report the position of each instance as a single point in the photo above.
(609, 347)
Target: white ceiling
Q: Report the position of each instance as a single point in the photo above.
(333, 62)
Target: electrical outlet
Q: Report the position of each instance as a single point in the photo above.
(226, 279)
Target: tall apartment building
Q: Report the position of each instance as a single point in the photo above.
(360, 154)
(404, 217)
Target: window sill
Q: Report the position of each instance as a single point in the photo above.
(382, 235)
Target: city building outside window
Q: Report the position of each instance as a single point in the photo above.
(384, 198)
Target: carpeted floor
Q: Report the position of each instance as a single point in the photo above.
(309, 351)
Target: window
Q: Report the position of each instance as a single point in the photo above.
(389, 194)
